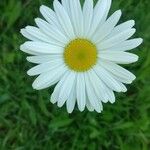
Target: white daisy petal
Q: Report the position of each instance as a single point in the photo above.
(116, 39)
(98, 86)
(91, 96)
(48, 79)
(122, 27)
(118, 57)
(66, 5)
(107, 92)
(102, 89)
(49, 15)
(43, 58)
(119, 81)
(123, 87)
(124, 80)
(80, 88)
(106, 11)
(100, 14)
(24, 49)
(55, 95)
(44, 67)
(118, 71)
(107, 27)
(70, 104)
(107, 78)
(87, 16)
(64, 19)
(127, 45)
(88, 105)
(41, 48)
(38, 35)
(52, 32)
(29, 36)
(111, 96)
(66, 88)
(76, 17)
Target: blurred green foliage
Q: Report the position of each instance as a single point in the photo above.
(28, 121)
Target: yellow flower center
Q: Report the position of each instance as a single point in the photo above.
(80, 55)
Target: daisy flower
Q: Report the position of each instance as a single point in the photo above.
(80, 50)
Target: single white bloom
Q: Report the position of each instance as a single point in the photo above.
(80, 49)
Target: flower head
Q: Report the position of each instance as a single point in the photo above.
(80, 50)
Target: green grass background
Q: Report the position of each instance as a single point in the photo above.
(28, 121)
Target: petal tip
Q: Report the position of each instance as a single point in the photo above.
(140, 41)
(133, 22)
(42, 6)
(81, 109)
(136, 58)
(119, 12)
(22, 47)
(133, 30)
(22, 30)
(52, 100)
(56, 2)
(28, 59)
(29, 73)
(35, 87)
(36, 19)
(133, 78)
(59, 104)
(69, 111)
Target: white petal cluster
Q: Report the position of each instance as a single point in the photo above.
(69, 21)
